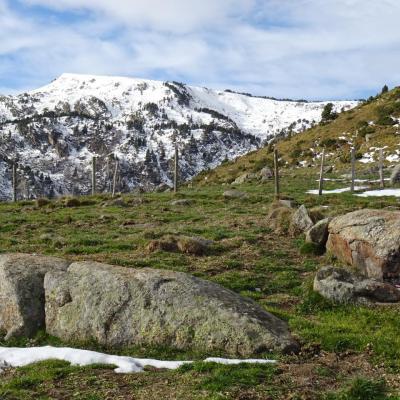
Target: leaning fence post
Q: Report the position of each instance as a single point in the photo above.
(176, 167)
(93, 175)
(353, 168)
(276, 173)
(14, 181)
(115, 177)
(381, 178)
(321, 174)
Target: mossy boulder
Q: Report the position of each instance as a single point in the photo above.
(119, 306)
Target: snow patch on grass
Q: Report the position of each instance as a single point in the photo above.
(19, 357)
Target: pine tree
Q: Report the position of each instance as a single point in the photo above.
(385, 89)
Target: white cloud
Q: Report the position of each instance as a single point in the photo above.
(284, 48)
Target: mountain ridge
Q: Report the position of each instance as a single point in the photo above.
(55, 130)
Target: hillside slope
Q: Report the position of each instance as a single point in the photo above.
(55, 131)
(371, 126)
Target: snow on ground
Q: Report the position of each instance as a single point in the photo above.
(342, 190)
(379, 193)
(19, 357)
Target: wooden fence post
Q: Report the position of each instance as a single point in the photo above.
(114, 184)
(176, 167)
(276, 173)
(353, 168)
(381, 178)
(321, 174)
(14, 181)
(93, 175)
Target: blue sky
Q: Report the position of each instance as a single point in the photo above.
(313, 49)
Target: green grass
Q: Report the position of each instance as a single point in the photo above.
(246, 256)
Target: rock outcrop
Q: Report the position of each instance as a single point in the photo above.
(301, 221)
(395, 175)
(120, 307)
(318, 234)
(22, 292)
(341, 286)
(368, 240)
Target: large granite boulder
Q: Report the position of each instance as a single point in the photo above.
(22, 292)
(369, 240)
(341, 286)
(119, 306)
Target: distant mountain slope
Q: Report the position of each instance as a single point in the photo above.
(371, 126)
(55, 131)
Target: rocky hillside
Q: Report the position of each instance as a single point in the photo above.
(53, 132)
(371, 126)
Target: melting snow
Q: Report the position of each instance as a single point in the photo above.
(19, 357)
(342, 190)
(379, 193)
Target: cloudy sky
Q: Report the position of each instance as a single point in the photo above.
(314, 49)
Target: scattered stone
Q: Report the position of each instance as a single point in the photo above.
(369, 240)
(189, 245)
(72, 202)
(286, 203)
(279, 218)
(193, 245)
(181, 202)
(319, 233)
(22, 292)
(168, 243)
(247, 177)
(119, 202)
(163, 187)
(125, 307)
(341, 286)
(266, 174)
(42, 202)
(395, 176)
(234, 194)
(301, 221)
(328, 169)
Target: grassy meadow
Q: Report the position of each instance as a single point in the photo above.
(347, 352)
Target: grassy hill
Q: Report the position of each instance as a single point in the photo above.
(370, 126)
(346, 351)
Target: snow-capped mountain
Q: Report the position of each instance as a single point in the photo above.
(55, 131)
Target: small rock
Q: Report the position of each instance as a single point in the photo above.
(168, 243)
(341, 286)
(247, 177)
(318, 234)
(42, 202)
(118, 202)
(266, 174)
(286, 203)
(163, 188)
(72, 202)
(279, 218)
(234, 194)
(301, 221)
(193, 245)
(181, 202)
(395, 176)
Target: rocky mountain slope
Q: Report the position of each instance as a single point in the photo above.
(53, 132)
(372, 125)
